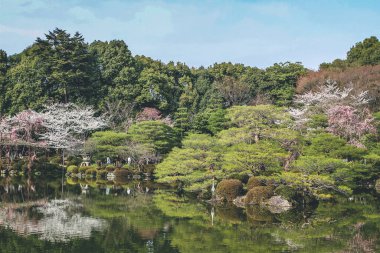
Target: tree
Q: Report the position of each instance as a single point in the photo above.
(262, 158)
(148, 113)
(182, 120)
(366, 52)
(104, 144)
(190, 165)
(72, 72)
(26, 128)
(67, 125)
(234, 92)
(347, 122)
(3, 72)
(161, 137)
(280, 80)
(118, 113)
(320, 102)
(257, 118)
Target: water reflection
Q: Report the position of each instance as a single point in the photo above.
(139, 216)
(54, 220)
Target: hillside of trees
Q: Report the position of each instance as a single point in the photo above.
(282, 130)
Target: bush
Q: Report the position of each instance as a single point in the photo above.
(254, 182)
(56, 160)
(72, 169)
(110, 168)
(84, 169)
(229, 189)
(19, 165)
(121, 173)
(91, 171)
(102, 174)
(258, 194)
(287, 193)
(73, 160)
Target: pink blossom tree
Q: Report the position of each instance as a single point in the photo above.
(26, 128)
(321, 101)
(149, 113)
(350, 123)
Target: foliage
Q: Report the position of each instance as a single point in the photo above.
(72, 169)
(258, 194)
(156, 134)
(228, 189)
(254, 182)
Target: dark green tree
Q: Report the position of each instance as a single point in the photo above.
(3, 72)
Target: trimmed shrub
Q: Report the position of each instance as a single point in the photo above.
(229, 189)
(110, 168)
(84, 169)
(102, 174)
(72, 180)
(73, 160)
(254, 182)
(72, 169)
(258, 194)
(91, 171)
(56, 160)
(121, 173)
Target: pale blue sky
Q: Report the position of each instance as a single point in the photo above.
(256, 33)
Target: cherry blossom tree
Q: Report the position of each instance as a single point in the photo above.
(67, 125)
(350, 123)
(5, 134)
(149, 113)
(27, 126)
(320, 102)
(23, 130)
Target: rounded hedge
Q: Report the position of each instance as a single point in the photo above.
(258, 194)
(254, 182)
(121, 173)
(229, 189)
(72, 169)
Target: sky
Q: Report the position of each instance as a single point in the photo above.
(200, 33)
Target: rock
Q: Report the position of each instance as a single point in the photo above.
(277, 204)
(239, 201)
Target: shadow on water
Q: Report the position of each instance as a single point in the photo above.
(47, 214)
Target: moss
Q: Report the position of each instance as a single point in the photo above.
(229, 189)
(258, 194)
(254, 182)
(72, 169)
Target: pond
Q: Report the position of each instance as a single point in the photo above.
(39, 214)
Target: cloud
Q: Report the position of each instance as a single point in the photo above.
(82, 14)
(19, 31)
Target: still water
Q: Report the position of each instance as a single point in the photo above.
(44, 215)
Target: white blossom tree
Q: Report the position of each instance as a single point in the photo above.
(321, 101)
(67, 125)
